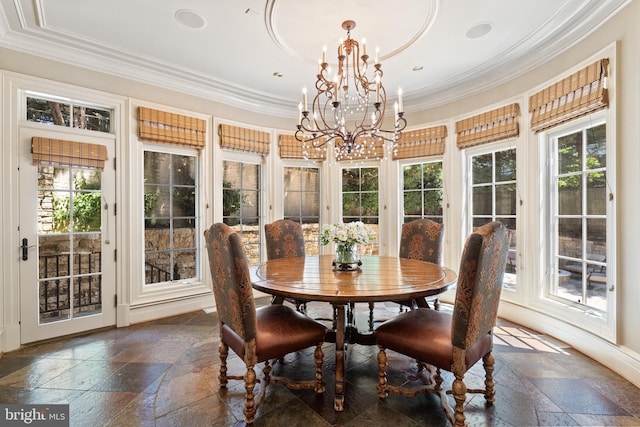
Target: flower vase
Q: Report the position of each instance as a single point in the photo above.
(346, 257)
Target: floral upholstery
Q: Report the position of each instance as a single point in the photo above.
(457, 341)
(479, 284)
(232, 283)
(255, 335)
(422, 239)
(284, 239)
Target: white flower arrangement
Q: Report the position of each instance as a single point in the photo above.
(348, 234)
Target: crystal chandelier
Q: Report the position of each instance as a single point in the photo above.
(349, 108)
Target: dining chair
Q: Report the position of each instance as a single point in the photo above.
(255, 335)
(284, 239)
(421, 239)
(452, 341)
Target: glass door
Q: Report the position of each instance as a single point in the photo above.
(67, 273)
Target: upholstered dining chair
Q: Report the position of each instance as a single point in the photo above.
(421, 239)
(284, 239)
(453, 342)
(255, 335)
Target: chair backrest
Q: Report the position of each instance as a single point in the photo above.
(284, 239)
(422, 239)
(479, 284)
(231, 280)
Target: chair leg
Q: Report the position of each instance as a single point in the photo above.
(382, 374)
(459, 394)
(223, 351)
(371, 307)
(489, 385)
(319, 356)
(249, 404)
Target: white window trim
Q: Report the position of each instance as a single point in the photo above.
(400, 195)
(141, 294)
(512, 295)
(605, 327)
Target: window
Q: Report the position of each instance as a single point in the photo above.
(69, 242)
(360, 201)
(241, 204)
(67, 113)
(170, 223)
(493, 198)
(579, 218)
(302, 202)
(422, 191)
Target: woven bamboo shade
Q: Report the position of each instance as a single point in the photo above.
(494, 125)
(579, 94)
(243, 139)
(170, 128)
(374, 151)
(68, 153)
(421, 143)
(291, 148)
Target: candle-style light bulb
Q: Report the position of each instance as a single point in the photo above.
(324, 54)
(364, 47)
(304, 98)
(377, 61)
(300, 113)
(400, 106)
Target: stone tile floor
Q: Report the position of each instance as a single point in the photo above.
(164, 373)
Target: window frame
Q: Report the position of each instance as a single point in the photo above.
(580, 316)
(178, 151)
(251, 159)
(377, 242)
(513, 294)
(299, 166)
(401, 189)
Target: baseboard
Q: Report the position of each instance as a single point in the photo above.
(166, 309)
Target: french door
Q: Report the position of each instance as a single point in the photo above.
(67, 235)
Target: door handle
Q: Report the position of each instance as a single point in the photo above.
(25, 249)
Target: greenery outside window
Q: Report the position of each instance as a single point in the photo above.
(241, 204)
(360, 192)
(422, 191)
(67, 113)
(302, 202)
(579, 218)
(170, 222)
(493, 198)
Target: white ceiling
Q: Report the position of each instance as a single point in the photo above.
(239, 45)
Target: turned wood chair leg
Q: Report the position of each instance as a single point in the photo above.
(459, 394)
(319, 356)
(223, 351)
(489, 385)
(249, 404)
(382, 374)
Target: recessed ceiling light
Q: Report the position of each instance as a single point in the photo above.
(418, 68)
(479, 30)
(278, 74)
(190, 18)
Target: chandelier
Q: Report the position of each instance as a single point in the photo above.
(349, 107)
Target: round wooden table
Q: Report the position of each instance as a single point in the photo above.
(380, 278)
